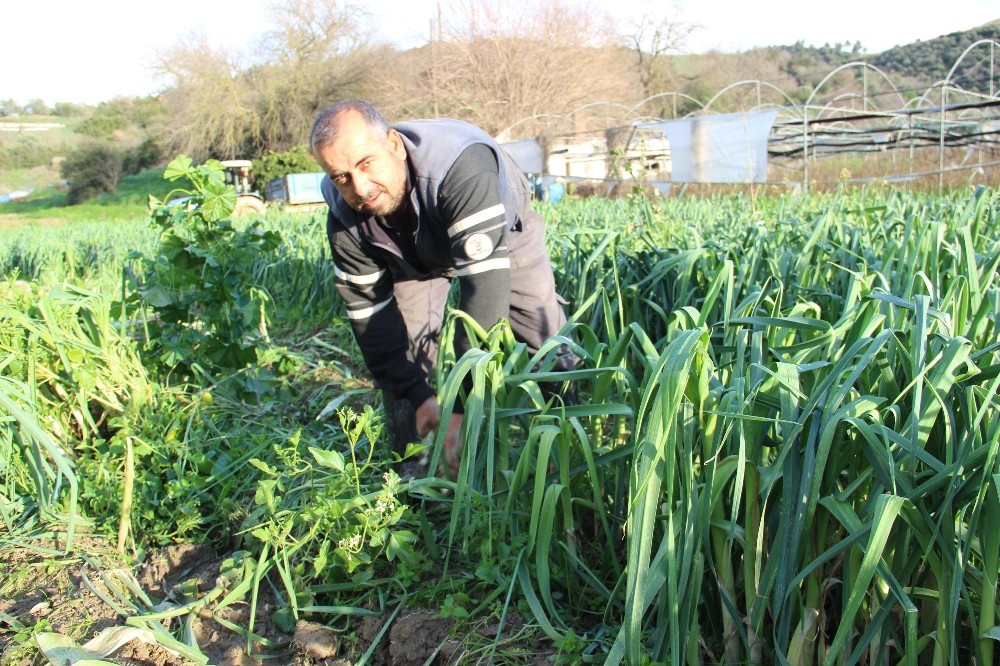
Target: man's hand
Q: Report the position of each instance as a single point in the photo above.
(428, 416)
(453, 444)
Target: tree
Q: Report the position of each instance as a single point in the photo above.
(9, 107)
(106, 120)
(319, 51)
(498, 65)
(92, 168)
(37, 107)
(224, 105)
(651, 35)
(211, 104)
(69, 110)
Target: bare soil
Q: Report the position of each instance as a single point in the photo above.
(45, 592)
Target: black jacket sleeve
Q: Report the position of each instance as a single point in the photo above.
(366, 286)
(470, 203)
(469, 199)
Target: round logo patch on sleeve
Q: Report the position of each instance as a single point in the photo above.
(478, 246)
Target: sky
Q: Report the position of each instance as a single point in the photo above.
(55, 52)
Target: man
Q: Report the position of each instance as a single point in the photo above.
(413, 207)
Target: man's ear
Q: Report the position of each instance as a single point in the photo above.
(396, 144)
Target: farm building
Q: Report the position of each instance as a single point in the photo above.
(721, 148)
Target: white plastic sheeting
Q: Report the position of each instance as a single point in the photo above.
(527, 154)
(723, 148)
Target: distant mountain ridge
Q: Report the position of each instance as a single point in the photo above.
(917, 65)
(930, 61)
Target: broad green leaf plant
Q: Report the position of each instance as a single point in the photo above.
(210, 309)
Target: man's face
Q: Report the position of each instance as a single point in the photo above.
(367, 167)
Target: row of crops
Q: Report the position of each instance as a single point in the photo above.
(784, 448)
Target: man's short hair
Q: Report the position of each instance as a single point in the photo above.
(324, 130)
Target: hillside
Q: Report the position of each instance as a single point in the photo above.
(931, 61)
(913, 67)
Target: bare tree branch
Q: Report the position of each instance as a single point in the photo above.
(652, 34)
(499, 65)
(223, 106)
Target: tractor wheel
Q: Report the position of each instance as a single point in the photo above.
(248, 205)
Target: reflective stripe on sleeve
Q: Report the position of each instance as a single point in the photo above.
(484, 266)
(365, 313)
(474, 219)
(370, 278)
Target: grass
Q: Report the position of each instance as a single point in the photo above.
(48, 205)
(39, 177)
(37, 148)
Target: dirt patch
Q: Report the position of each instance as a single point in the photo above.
(139, 653)
(316, 642)
(45, 592)
(414, 637)
(85, 593)
(76, 596)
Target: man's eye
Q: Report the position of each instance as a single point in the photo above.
(340, 180)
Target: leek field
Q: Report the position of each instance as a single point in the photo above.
(785, 448)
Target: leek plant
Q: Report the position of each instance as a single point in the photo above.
(785, 450)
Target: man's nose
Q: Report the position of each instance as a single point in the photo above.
(361, 186)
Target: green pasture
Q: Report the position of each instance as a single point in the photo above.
(46, 205)
(784, 449)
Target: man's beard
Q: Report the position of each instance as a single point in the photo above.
(387, 204)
